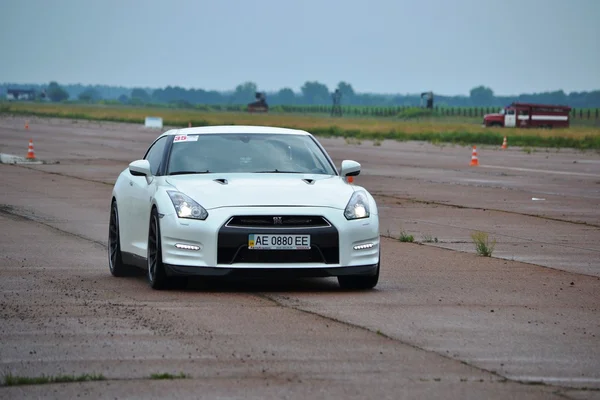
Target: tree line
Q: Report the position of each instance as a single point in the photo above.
(311, 93)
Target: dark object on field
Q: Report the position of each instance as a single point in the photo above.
(429, 97)
(20, 94)
(260, 105)
(336, 110)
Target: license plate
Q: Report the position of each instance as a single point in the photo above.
(278, 242)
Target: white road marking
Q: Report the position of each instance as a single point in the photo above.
(12, 159)
(588, 162)
(544, 171)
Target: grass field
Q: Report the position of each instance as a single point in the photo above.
(439, 129)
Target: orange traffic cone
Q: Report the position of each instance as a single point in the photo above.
(474, 159)
(27, 125)
(30, 152)
(504, 144)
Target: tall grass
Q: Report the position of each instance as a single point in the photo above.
(434, 130)
(483, 245)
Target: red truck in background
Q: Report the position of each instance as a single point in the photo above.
(530, 115)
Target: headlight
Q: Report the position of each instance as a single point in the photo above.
(186, 207)
(358, 206)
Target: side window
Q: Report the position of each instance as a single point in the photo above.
(511, 112)
(155, 154)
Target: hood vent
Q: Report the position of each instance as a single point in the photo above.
(222, 181)
(309, 181)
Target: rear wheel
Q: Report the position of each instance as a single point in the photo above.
(360, 282)
(157, 278)
(115, 258)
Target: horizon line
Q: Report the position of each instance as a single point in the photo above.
(296, 92)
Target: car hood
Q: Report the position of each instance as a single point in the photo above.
(235, 190)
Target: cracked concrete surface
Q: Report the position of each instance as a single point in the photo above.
(442, 322)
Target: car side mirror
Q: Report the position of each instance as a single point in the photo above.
(140, 168)
(350, 168)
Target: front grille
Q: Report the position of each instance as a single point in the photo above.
(276, 221)
(232, 246)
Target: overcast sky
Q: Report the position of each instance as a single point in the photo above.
(380, 46)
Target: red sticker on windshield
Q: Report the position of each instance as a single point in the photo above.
(185, 138)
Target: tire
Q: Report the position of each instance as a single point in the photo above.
(157, 278)
(359, 282)
(115, 258)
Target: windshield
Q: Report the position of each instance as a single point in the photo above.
(261, 153)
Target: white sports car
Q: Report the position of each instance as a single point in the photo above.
(242, 201)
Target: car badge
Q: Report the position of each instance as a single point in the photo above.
(277, 220)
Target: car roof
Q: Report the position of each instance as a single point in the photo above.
(234, 129)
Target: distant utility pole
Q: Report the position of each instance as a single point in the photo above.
(336, 110)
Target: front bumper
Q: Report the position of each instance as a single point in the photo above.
(211, 248)
(314, 272)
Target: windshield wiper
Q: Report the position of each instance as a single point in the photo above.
(276, 171)
(189, 172)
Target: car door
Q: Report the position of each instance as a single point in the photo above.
(142, 191)
(510, 119)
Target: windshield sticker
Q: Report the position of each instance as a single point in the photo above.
(185, 138)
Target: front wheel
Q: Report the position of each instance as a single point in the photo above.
(157, 278)
(115, 257)
(360, 282)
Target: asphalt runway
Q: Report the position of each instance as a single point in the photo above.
(443, 322)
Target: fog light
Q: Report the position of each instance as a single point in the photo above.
(363, 246)
(187, 246)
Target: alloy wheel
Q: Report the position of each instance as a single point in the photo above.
(113, 238)
(153, 249)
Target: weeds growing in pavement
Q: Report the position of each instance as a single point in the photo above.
(483, 246)
(405, 237)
